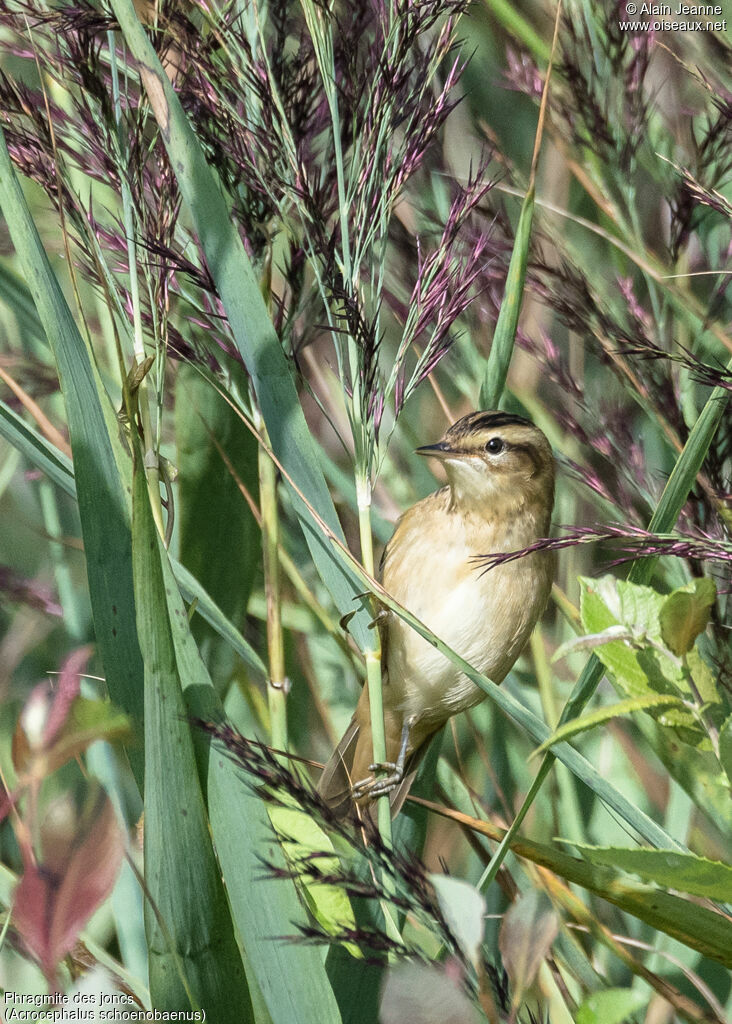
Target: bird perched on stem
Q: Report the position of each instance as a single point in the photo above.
(499, 497)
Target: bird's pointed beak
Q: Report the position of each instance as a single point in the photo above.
(440, 450)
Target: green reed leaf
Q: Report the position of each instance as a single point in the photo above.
(193, 955)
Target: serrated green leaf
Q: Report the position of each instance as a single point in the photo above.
(670, 869)
(638, 668)
(640, 608)
(590, 641)
(611, 1006)
(685, 614)
(605, 714)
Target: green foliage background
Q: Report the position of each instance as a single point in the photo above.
(201, 460)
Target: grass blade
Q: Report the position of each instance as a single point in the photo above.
(193, 955)
(36, 449)
(504, 336)
(104, 508)
(15, 293)
(499, 357)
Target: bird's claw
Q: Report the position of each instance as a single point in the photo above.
(374, 787)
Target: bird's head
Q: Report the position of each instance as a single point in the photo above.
(497, 462)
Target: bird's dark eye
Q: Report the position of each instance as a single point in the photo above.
(494, 446)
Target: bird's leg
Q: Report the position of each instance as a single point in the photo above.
(373, 787)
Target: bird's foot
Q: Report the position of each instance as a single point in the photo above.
(373, 786)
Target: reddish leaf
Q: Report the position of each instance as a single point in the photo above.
(47, 709)
(58, 894)
(67, 690)
(57, 723)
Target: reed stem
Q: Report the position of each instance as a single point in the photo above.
(373, 657)
(277, 684)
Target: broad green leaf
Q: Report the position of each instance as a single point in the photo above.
(527, 933)
(599, 613)
(611, 1006)
(605, 714)
(463, 908)
(266, 911)
(219, 538)
(301, 838)
(668, 868)
(252, 329)
(639, 665)
(610, 601)
(193, 955)
(103, 496)
(685, 614)
(643, 666)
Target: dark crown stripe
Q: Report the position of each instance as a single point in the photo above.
(489, 421)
